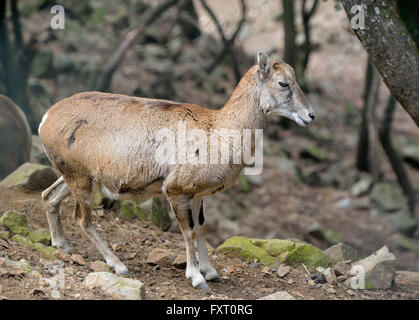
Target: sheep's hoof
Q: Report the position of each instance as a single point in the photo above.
(203, 286)
(215, 280)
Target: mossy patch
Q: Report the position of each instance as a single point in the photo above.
(15, 222)
(274, 251)
(309, 255)
(4, 234)
(47, 252)
(242, 248)
(40, 236)
(23, 240)
(274, 247)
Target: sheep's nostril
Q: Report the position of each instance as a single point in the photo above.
(312, 116)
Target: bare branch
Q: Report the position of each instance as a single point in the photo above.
(228, 43)
(119, 53)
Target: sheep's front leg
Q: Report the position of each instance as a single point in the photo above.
(205, 265)
(182, 208)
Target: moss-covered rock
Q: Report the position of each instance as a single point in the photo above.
(242, 247)
(274, 251)
(387, 197)
(274, 247)
(32, 176)
(40, 236)
(309, 255)
(131, 209)
(22, 240)
(313, 152)
(47, 252)
(4, 234)
(15, 222)
(159, 215)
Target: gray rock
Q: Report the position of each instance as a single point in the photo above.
(180, 261)
(283, 271)
(411, 155)
(361, 187)
(55, 294)
(313, 152)
(342, 268)
(387, 197)
(279, 295)
(342, 252)
(110, 283)
(161, 257)
(63, 63)
(30, 176)
(16, 138)
(402, 221)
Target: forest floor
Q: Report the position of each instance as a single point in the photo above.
(133, 240)
(276, 205)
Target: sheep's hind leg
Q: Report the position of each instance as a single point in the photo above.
(51, 199)
(82, 213)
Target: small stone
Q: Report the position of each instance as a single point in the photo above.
(99, 266)
(330, 275)
(180, 261)
(342, 268)
(331, 290)
(350, 292)
(61, 255)
(341, 252)
(35, 274)
(279, 295)
(361, 187)
(160, 257)
(78, 259)
(290, 281)
(283, 271)
(55, 294)
(112, 284)
(311, 282)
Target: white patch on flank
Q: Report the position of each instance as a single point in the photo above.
(42, 122)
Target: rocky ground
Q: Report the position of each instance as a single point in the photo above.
(156, 258)
(309, 189)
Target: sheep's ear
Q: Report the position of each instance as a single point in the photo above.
(264, 65)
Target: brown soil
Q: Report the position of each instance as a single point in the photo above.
(133, 239)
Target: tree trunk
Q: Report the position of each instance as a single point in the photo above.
(366, 153)
(393, 156)
(289, 29)
(392, 50)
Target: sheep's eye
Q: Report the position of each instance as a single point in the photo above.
(282, 84)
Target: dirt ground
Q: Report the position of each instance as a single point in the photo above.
(133, 239)
(277, 207)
